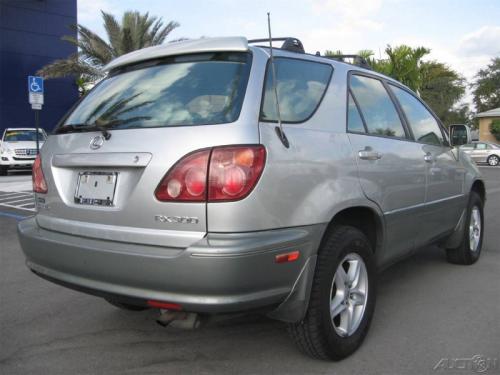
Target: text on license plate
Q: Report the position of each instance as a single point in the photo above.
(96, 188)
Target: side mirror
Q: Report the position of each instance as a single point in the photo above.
(460, 135)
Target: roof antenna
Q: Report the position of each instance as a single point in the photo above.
(279, 129)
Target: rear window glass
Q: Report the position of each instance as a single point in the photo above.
(184, 90)
(300, 84)
(23, 136)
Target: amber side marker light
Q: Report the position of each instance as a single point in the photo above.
(287, 257)
(164, 305)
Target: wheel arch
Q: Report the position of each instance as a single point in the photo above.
(364, 218)
(479, 188)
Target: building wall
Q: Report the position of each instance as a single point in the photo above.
(30, 37)
(484, 129)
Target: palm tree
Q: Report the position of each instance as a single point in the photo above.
(136, 31)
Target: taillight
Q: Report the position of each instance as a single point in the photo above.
(187, 180)
(230, 171)
(39, 184)
(234, 171)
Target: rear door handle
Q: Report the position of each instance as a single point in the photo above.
(369, 155)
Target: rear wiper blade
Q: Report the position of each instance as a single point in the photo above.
(74, 128)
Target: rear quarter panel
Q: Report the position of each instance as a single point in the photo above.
(305, 184)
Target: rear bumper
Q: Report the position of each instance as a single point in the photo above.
(219, 273)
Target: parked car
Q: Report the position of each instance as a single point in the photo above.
(18, 148)
(483, 152)
(180, 182)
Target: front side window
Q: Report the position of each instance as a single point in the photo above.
(423, 124)
(379, 112)
(199, 89)
(300, 84)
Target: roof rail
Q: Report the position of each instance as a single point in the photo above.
(357, 60)
(289, 43)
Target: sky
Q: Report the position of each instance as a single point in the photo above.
(463, 34)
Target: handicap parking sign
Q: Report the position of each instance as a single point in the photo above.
(35, 84)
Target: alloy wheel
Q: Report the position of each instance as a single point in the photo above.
(475, 229)
(349, 295)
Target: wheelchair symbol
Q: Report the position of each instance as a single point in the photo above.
(34, 86)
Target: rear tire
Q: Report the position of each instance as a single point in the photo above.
(126, 306)
(3, 170)
(322, 333)
(493, 160)
(469, 250)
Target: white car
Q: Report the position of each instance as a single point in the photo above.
(18, 148)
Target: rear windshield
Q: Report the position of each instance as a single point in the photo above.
(199, 89)
(23, 136)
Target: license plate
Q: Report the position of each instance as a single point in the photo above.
(96, 188)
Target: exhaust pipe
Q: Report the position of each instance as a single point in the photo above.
(179, 319)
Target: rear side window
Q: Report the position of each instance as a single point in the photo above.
(354, 120)
(376, 106)
(301, 85)
(481, 146)
(423, 124)
(198, 89)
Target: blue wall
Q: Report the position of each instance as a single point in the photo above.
(30, 37)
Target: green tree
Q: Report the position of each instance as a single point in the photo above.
(441, 89)
(495, 129)
(486, 87)
(404, 65)
(136, 31)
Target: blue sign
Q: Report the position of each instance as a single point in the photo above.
(35, 85)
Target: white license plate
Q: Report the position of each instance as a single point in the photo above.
(96, 188)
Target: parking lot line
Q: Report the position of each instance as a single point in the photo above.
(21, 200)
(13, 216)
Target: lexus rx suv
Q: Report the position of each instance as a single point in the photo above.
(219, 176)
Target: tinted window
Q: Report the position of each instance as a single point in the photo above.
(377, 107)
(183, 90)
(468, 146)
(23, 136)
(424, 125)
(300, 84)
(354, 121)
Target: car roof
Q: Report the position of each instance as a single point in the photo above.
(226, 44)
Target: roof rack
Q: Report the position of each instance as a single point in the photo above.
(289, 43)
(295, 45)
(356, 60)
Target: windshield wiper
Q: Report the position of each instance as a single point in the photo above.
(74, 128)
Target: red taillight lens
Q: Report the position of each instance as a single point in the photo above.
(233, 171)
(39, 184)
(187, 180)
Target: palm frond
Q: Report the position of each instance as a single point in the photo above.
(114, 31)
(72, 66)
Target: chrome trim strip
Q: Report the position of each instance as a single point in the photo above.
(423, 204)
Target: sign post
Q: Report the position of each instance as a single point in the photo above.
(35, 91)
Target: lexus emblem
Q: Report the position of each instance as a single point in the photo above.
(96, 142)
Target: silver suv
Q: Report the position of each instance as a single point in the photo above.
(203, 177)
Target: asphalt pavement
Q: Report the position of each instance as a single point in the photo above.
(430, 315)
